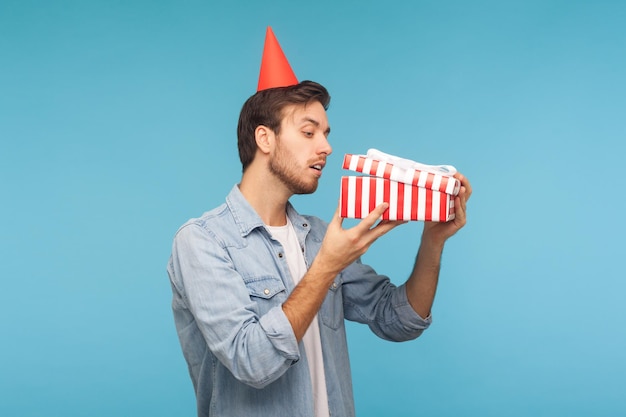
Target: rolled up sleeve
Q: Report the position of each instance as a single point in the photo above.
(256, 349)
(374, 300)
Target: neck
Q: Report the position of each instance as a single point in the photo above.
(267, 195)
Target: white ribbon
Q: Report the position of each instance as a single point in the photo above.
(446, 170)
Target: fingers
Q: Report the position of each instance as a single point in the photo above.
(465, 184)
(337, 219)
(385, 226)
(460, 216)
(367, 226)
(461, 199)
(372, 218)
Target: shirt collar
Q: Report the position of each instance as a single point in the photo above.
(246, 218)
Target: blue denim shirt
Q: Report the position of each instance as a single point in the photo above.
(229, 280)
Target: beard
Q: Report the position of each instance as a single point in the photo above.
(283, 166)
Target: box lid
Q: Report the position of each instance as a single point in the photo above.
(380, 164)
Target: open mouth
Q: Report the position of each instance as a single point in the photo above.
(317, 167)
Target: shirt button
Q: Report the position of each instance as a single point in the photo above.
(266, 291)
(305, 225)
(280, 254)
(334, 286)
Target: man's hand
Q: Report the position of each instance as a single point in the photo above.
(422, 283)
(440, 231)
(339, 249)
(342, 246)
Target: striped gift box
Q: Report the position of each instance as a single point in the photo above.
(411, 194)
(382, 169)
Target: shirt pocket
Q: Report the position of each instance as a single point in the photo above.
(266, 292)
(331, 312)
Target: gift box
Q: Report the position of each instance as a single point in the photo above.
(413, 190)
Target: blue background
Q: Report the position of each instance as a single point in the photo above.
(117, 124)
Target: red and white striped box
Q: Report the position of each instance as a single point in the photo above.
(412, 194)
(412, 176)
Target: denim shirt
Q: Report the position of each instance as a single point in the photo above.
(229, 280)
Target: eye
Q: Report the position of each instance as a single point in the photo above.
(308, 134)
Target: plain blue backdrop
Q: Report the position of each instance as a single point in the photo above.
(117, 124)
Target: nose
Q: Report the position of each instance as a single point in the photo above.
(325, 147)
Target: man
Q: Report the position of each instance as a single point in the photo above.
(260, 292)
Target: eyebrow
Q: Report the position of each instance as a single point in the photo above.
(317, 124)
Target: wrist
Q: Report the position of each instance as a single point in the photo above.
(323, 271)
(433, 237)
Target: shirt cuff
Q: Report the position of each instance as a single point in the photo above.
(280, 333)
(409, 317)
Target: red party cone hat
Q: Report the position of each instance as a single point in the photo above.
(275, 69)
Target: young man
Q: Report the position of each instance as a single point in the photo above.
(260, 292)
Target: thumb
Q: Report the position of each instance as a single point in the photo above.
(337, 219)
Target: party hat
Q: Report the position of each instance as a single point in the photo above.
(275, 69)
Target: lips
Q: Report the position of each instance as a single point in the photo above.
(318, 166)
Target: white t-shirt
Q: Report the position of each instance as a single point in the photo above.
(286, 235)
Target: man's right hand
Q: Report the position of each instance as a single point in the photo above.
(342, 246)
(339, 249)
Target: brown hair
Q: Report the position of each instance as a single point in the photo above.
(266, 108)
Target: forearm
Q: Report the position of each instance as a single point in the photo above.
(339, 249)
(422, 284)
(307, 298)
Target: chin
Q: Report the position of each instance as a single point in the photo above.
(305, 189)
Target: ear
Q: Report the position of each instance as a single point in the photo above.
(264, 137)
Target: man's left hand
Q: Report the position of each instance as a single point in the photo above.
(441, 231)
